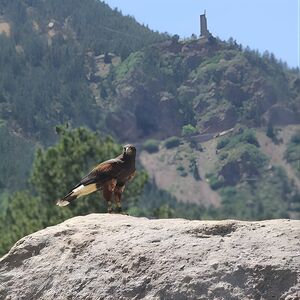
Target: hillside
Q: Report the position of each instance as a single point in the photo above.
(195, 89)
(47, 51)
(243, 174)
(216, 125)
(81, 65)
(158, 259)
(173, 170)
(211, 85)
(45, 57)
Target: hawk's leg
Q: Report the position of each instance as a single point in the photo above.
(108, 197)
(108, 190)
(118, 194)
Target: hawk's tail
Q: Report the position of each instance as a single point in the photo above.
(77, 192)
(67, 199)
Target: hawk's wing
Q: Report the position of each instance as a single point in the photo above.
(94, 181)
(103, 172)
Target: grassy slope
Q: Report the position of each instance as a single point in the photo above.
(172, 170)
(262, 187)
(276, 151)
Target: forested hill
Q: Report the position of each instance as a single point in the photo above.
(210, 84)
(43, 60)
(80, 63)
(95, 25)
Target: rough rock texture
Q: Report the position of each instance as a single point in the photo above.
(120, 257)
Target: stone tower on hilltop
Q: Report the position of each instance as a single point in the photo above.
(204, 33)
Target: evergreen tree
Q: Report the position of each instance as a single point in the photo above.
(57, 169)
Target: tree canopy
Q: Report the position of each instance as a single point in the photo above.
(55, 171)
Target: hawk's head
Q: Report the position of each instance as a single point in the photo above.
(129, 150)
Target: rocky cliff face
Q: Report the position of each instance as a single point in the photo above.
(120, 257)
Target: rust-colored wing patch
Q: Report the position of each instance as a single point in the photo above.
(131, 176)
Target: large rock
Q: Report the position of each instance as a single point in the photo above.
(120, 257)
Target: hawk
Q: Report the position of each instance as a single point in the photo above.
(109, 176)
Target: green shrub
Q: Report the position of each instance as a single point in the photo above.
(249, 137)
(129, 64)
(180, 168)
(296, 138)
(151, 146)
(271, 132)
(213, 181)
(223, 155)
(292, 153)
(172, 142)
(223, 143)
(195, 172)
(188, 130)
(194, 144)
(250, 157)
(183, 173)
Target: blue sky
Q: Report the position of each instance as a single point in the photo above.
(271, 25)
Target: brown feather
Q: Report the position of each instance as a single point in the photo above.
(108, 176)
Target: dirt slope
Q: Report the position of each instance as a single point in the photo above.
(164, 165)
(276, 151)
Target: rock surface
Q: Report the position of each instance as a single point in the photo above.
(103, 256)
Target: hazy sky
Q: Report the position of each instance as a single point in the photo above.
(271, 25)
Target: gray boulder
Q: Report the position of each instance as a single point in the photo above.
(102, 256)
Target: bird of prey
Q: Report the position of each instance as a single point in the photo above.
(109, 176)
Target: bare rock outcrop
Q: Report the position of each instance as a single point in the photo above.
(103, 256)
